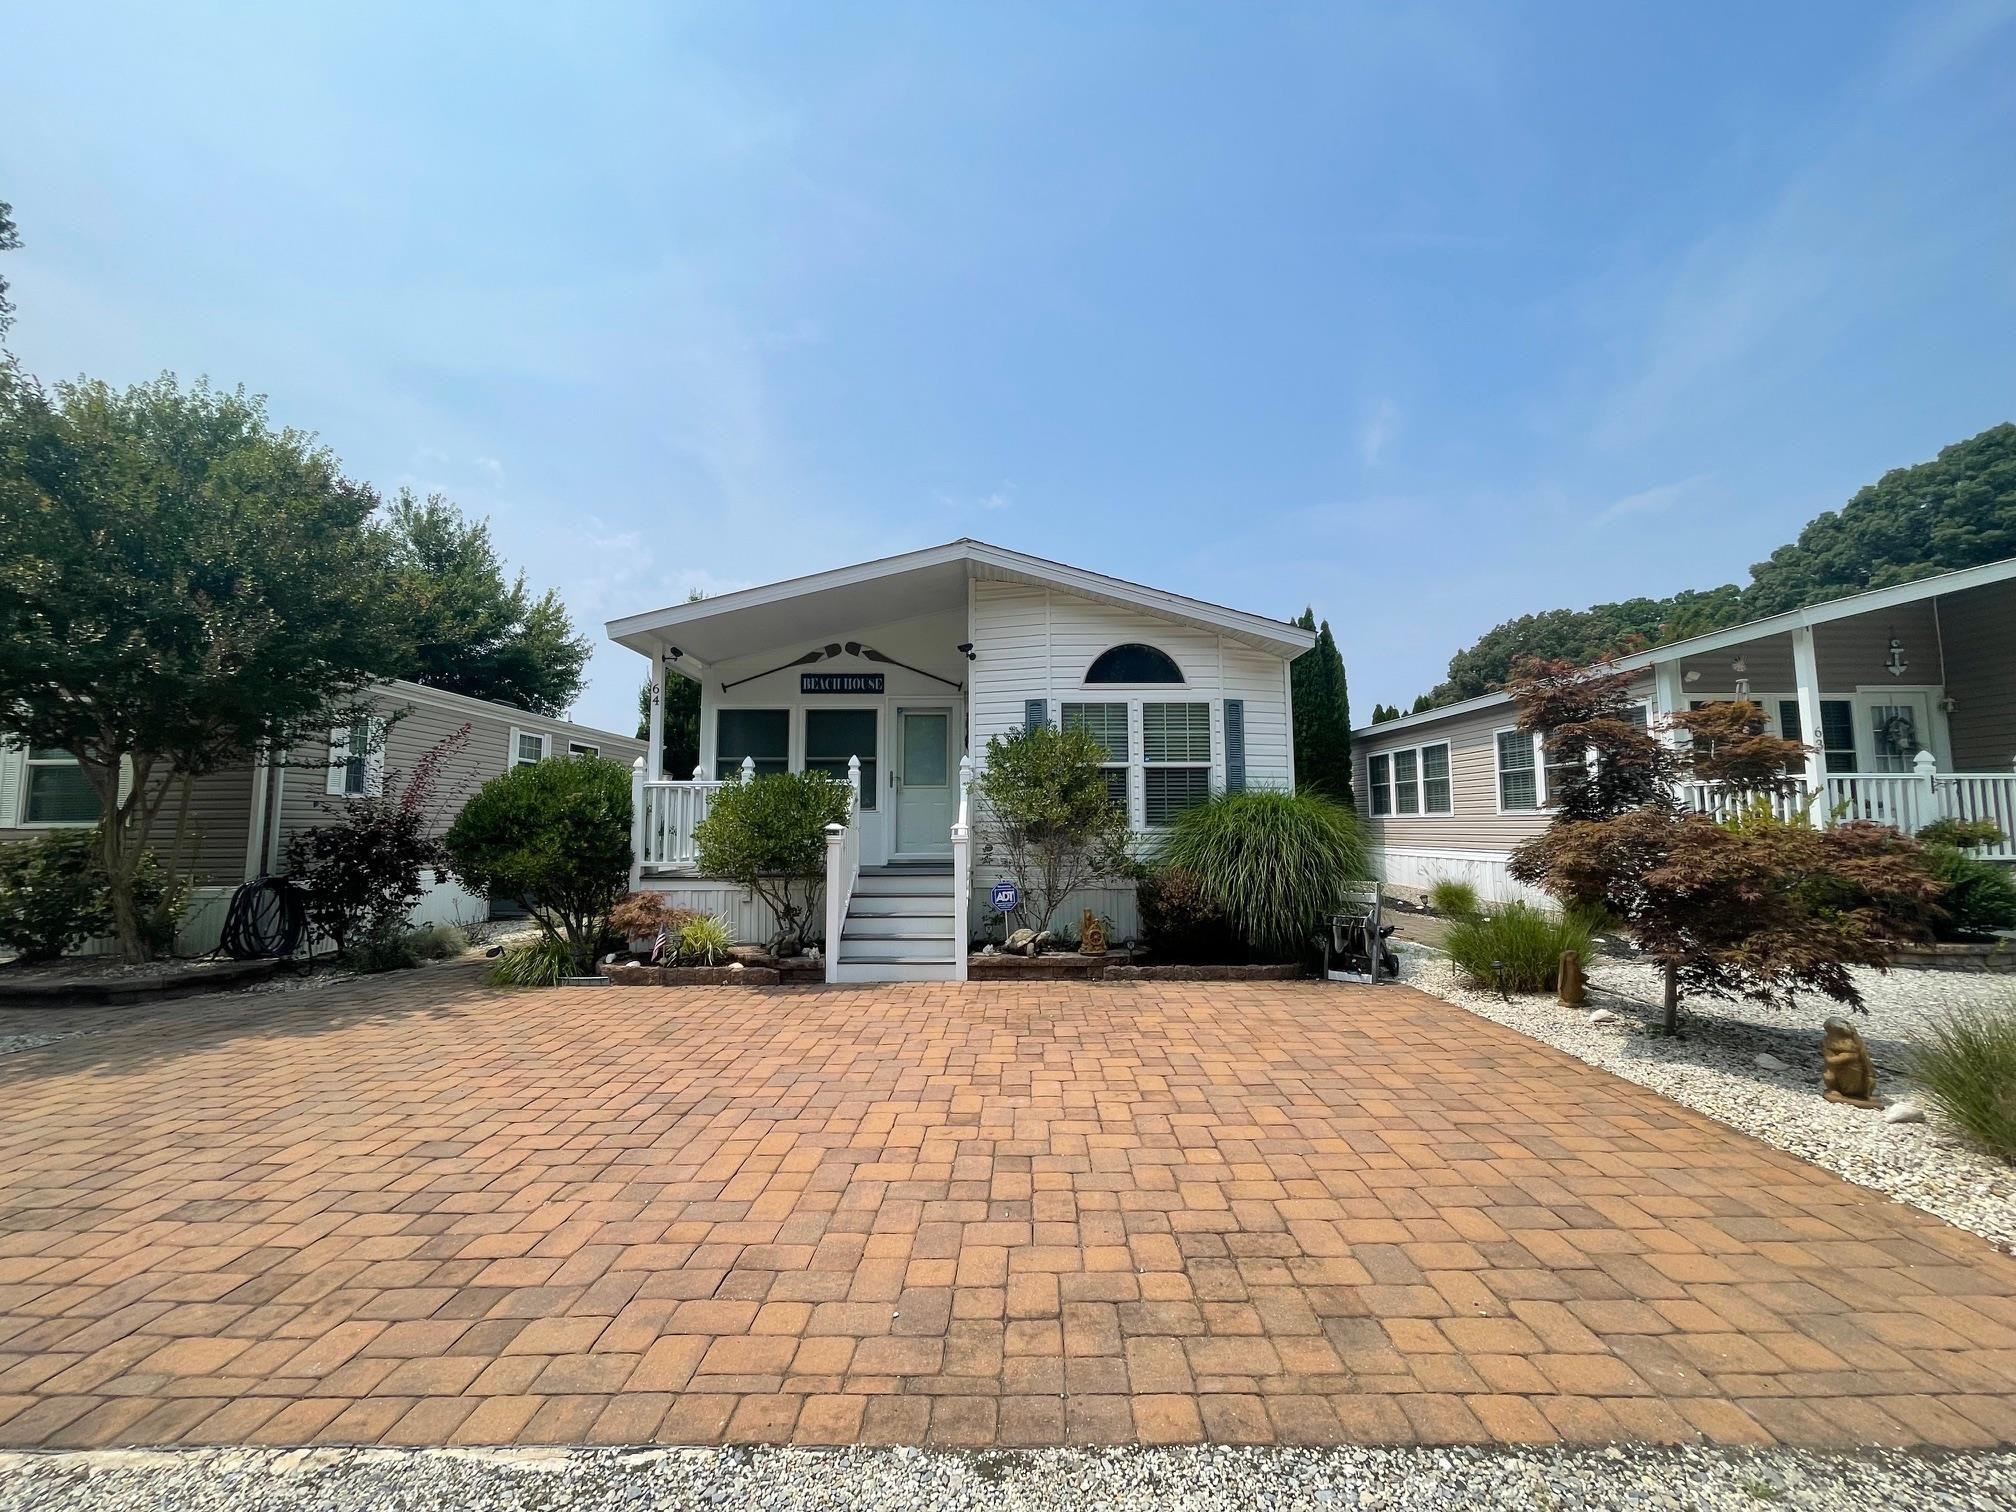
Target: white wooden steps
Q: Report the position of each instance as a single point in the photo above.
(899, 925)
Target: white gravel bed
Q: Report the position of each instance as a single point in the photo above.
(1713, 1069)
(899, 1480)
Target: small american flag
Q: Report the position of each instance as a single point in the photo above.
(658, 945)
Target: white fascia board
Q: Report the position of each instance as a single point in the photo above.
(1430, 716)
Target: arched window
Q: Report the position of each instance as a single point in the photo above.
(1134, 663)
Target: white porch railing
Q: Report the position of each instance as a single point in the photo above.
(843, 868)
(663, 816)
(962, 869)
(1906, 801)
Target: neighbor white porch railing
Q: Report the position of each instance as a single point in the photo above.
(962, 869)
(843, 868)
(1906, 801)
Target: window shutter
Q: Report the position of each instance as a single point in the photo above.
(1035, 713)
(374, 761)
(10, 784)
(1235, 745)
(339, 756)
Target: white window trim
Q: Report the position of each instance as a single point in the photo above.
(1392, 785)
(28, 762)
(512, 760)
(1498, 773)
(336, 784)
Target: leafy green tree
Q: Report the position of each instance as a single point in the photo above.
(1047, 819)
(470, 630)
(555, 836)
(1958, 510)
(180, 584)
(1322, 714)
(769, 834)
(682, 723)
(1383, 712)
(10, 241)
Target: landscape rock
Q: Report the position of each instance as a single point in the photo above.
(1903, 1112)
(1769, 1062)
(1602, 1016)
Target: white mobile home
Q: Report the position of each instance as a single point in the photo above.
(909, 665)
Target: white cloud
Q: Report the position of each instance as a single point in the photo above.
(1001, 497)
(1377, 431)
(1650, 500)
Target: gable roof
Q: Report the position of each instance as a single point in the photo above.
(1869, 601)
(917, 581)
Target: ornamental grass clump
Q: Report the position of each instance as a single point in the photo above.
(1453, 899)
(1273, 863)
(537, 963)
(1518, 948)
(1965, 1062)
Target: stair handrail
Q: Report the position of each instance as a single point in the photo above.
(843, 868)
(962, 870)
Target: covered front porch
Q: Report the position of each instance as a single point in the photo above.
(1905, 699)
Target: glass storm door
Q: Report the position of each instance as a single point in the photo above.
(923, 782)
(1899, 727)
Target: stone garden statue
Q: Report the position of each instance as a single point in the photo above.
(1091, 935)
(1847, 1075)
(1572, 985)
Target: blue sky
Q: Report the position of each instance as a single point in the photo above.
(1425, 315)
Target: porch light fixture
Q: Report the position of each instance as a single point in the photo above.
(1896, 665)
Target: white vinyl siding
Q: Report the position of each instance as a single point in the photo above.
(1035, 643)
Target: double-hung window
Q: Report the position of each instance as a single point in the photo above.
(761, 735)
(1412, 781)
(833, 737)
(357, 760)
(529, 747)
(1176, 759)
(1107, 724)
(1518, 771)
(57, 791)
(1837, 730)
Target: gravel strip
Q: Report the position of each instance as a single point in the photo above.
(1153, 1480)
(1713, 1069)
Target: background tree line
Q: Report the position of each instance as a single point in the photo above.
(1957, 510)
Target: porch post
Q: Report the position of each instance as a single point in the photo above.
(1666, 695)
(636, 823)
(657, 726)
(1806, 676)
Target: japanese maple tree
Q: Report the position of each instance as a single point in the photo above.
(1761, 904)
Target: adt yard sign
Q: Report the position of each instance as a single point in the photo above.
(1006, 897)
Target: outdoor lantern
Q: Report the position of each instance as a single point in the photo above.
(1896, 664)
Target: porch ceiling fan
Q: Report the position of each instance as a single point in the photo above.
(835, 648)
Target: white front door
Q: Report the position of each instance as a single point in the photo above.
(922, 782)
(1899, 726)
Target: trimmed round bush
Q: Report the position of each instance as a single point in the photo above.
(1273, 863)
(555, 836)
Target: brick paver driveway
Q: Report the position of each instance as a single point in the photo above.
(415, 1210)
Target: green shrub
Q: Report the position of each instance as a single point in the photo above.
(554, 835)
(1519, 946)
(1964, 833)
(704, 940)
(1979, 896)
(769, 835)
(1181, 925)
(1966, 1063)
(438, 942)
(537, 963)
(1454, 899)
(1047, 818)
(1273, 863)
(375, 950)
(53, 896)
